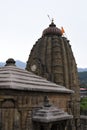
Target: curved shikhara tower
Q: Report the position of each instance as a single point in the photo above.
(52, 57)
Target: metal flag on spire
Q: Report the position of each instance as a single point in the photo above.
(51, 20)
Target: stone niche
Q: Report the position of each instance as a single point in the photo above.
(49, 117)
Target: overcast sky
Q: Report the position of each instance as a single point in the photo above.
(22, 23)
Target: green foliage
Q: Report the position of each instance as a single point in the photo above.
(83, 84)
(83, 104)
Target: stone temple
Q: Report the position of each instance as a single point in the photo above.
(24, 101)
(52, 58)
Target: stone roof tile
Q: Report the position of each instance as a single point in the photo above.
(12, 77)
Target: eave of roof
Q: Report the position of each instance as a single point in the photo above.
(12, 77)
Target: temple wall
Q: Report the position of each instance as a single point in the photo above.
(16, 107)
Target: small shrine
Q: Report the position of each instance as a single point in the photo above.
(49, 117)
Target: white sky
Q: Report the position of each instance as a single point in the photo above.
(22, 23)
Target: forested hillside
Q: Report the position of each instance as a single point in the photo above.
(83, 78)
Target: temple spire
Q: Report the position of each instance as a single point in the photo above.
(52, 21)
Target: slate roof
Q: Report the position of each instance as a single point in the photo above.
(12, 77)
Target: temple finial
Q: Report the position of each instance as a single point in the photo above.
(52, 21)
